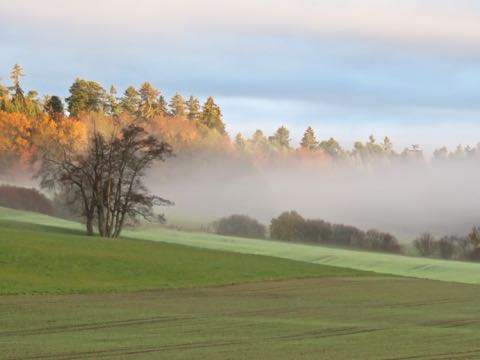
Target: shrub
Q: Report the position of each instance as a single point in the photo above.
(25, 199)
(317, 231)
(240, 225)
(347, 236)
(289, 226)
(425, 244)
(377, 240)
(446, 247)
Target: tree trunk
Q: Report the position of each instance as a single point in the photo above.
(90, 227)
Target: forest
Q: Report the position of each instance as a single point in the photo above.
(30, 122)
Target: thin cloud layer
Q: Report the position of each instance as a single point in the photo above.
(427, 22)
(355, 64)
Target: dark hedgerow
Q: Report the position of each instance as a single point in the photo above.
(21, 198)
(291, 226)
(240, 225)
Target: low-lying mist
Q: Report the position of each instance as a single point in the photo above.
(403, 198)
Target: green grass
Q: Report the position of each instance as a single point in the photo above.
(46, 259)
(326, 318)
(425, 268)
(310, 311)
(453, 271)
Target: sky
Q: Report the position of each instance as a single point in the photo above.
(409, 69)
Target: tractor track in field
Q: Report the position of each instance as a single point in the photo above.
(126, 351)
(123, 352)
(472, 354)
(452, 323)
(424, 303)
(94, 326)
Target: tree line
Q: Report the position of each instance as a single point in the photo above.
(184, 123)
(291, 226)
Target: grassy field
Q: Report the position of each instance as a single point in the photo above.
(326, 318)
(454, 271)
(92, 306)
(435, 269)
(45, 259)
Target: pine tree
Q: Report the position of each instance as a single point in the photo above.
(32, 104)
(240, 142)
(54, 107)
(112, 102)
(309, 141)
(130, 101)
(177, 105)
(331, 147)
(15, 75)
(86, 96)
(211, 116)
(281, 138)
(4, 98)
(162, 106)
(19, 102)
(193, 108)
(148, 104)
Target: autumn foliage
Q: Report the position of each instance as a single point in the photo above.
(22, 139)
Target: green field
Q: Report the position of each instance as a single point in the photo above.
(67, 296)
(455, 271)
(44, 259)
(326, 318)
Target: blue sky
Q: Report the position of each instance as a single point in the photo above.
(404, 68)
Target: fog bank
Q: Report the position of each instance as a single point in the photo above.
(405, 199)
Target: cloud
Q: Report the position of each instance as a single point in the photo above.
(453, 23)
(345, 62)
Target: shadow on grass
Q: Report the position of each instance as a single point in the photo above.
(18, 225)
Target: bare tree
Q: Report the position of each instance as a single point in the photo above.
(106, 180)
(425, 244)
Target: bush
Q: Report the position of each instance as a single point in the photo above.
(289, 226)
(425, 244)
(240, 225)
(317, 231)
(25, 199)
(447, 247)
(380, 241)
(345, 235)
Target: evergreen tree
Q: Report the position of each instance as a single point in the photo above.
(281, 138)
(309, 141)
(32, 104)
(331, 147)
(86, 96)
(162, 109)
(193, 108)
(18, 101)
(15, 75)
(4, 98)
(211, 116)
(54, 107)
(258, 138)
(240, 142)
(130, 101)
(112, 102)
(148, 104)
(177, 105)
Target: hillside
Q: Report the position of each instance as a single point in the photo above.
(43, 258)
(435, 269)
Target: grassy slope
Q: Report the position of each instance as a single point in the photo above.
(326, 318)
(398, 265)
(45, 259)
(435, 269)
